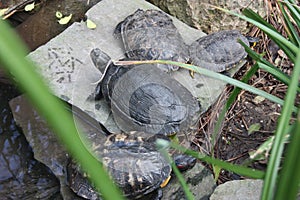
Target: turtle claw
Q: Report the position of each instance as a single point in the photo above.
(192, 74)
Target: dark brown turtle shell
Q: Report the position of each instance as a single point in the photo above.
(151, 35)
(132, 161)
(143, 98)
(218, 51)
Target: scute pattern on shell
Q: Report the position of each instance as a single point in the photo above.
(147, 100)
(218, 51)
(151, 35)
(123, 155)
(143, 98)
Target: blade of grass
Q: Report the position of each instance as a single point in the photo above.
(253, 15)
(290, 171)
(12, 54)
(287, 50)
(244, 171)
(276, 152)
(211, 74)
(231, 100)
(294, 10)
(263, 64)
(292, 33)
(163, 146)
(237, 90)
(276, 73)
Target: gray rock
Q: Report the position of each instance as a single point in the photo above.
(238, 190)
(202, 15)
(65, 64)
(46, 147)
(48, 150)
(200, 182)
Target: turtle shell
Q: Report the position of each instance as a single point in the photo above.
(218, 51)
(145, 99)
(132, 161)
(151, 35)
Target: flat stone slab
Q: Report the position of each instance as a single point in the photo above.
(46, 147)
(65, 63)
(49, 151)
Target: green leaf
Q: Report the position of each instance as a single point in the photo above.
(216, 169)
(288, 47)
(253, 15)
(292, 33)
(289, 179)
(253, 128)
(284, 120)
(294, 11)
(29, 7)
(265, 65)
(263, 150)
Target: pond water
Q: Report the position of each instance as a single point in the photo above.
(21, 176)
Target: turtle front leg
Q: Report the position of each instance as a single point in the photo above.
(96, 95)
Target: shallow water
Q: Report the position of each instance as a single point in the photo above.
(21, 176)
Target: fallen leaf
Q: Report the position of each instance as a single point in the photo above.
(258, 99)
(29, 7)
(58, 15)
(2, 11)
(65, 20)
(254, 127)
(263, 150)
(90, 24)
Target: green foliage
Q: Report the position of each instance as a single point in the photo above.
(273, 184)
(244, 171)
(277, 184)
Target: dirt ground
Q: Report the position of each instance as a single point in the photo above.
(251, 120)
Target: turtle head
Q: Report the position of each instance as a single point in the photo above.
(100, 59)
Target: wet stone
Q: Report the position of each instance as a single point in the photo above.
(21, 176)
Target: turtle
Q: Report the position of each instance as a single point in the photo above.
(131, 160)
(151, 35)
(218, 51)
(142, 98)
